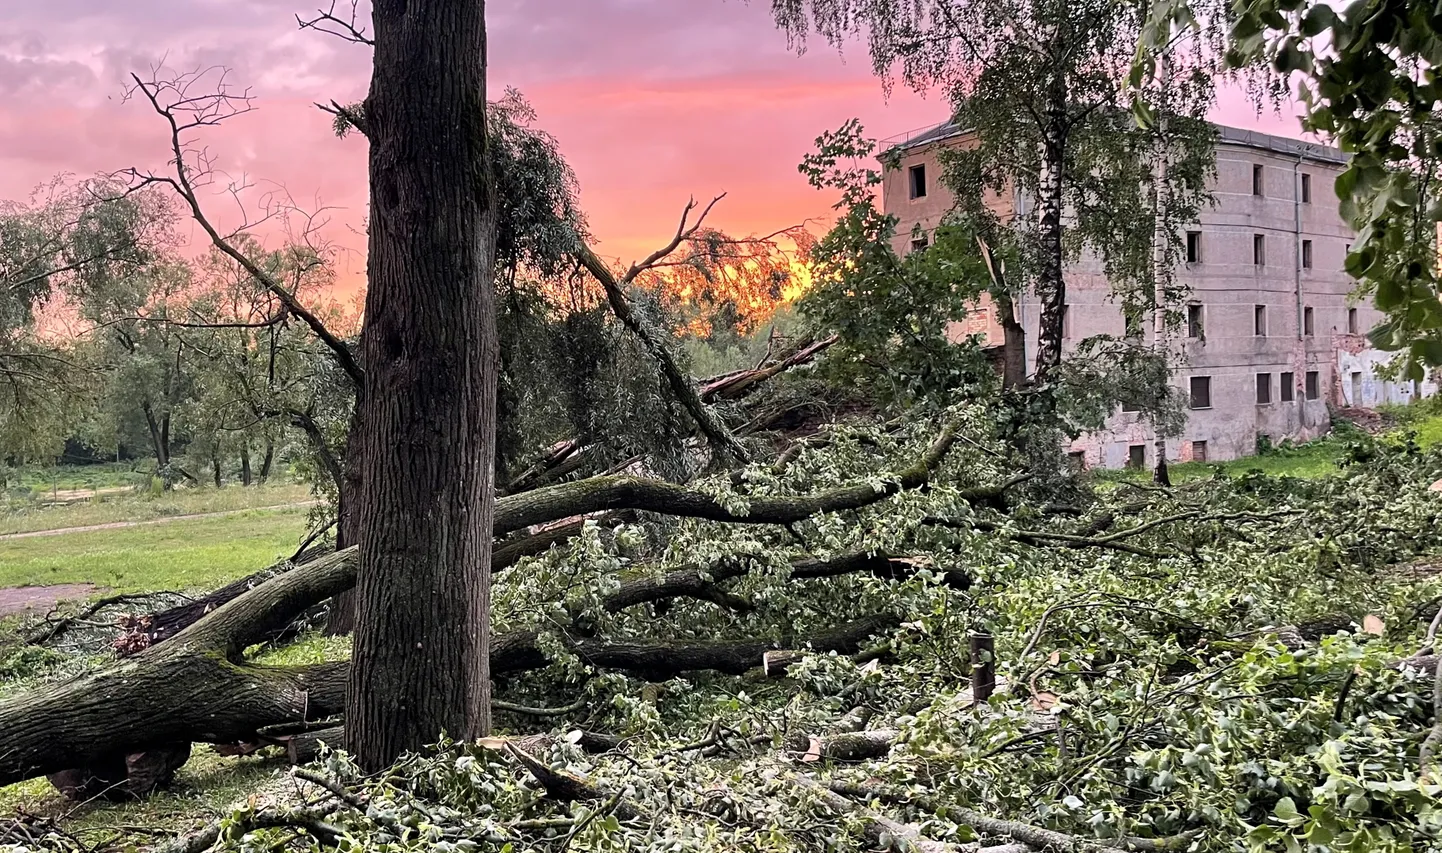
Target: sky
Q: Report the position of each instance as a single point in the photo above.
(652, 101)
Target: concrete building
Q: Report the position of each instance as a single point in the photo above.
(1271, 337)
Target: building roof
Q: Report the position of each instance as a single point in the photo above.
(1226, 136)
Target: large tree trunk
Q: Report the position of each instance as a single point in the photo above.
(245, 476)
(1051, 283)
(428, 422)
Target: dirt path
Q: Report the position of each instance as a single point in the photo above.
(21, 599)
(115, 525)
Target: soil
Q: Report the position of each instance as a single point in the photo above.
(40, 598)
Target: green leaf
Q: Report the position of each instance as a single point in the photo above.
(1286, 812)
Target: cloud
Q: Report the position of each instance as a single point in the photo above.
(652, 100)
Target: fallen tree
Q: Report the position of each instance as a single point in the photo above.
(198, 687)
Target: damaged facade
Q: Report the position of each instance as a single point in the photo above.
(1270, 337)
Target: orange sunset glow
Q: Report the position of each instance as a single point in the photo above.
(653, 102)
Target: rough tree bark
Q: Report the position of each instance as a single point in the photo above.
(427, 424)
(1051, 283)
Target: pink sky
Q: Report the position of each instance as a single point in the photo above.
(652, 100)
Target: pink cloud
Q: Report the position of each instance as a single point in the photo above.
(653, 101)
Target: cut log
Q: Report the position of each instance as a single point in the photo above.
(305, 747)
(844, 746)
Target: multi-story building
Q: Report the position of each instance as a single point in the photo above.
(1270, 337)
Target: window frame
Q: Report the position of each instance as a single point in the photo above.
(916, 188)
(1264, 389)
(1192, 392)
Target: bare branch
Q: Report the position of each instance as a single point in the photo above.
(172, 100)
(331, 24)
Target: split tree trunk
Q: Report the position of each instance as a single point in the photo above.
(428, 421)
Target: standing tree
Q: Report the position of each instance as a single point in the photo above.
(1041, 86)
(428, 422)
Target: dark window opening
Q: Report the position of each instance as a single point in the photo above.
(1194, 247)
(1306, 189)
(1308, 322)
(1259, 321)
(1078, 459)
(1314, 385)
(1194, 321)
(1256, 180)
(1289, 387)
(918, 243)
(1351, 321)
(1199, 451)
(1201, 396)
(1259, 250)
(1264, 388)
(1137, 456)
(918, 181)
(1306, 254)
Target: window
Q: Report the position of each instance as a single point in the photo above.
(1259, 321)
(1132, 321)
(1128, 406)
(1137, 456)
(1306, 254)
(918, 243)
(1201, 388)
(1257, 179)
(1194, 321)
(1259, 250)
(1078, 460)
(1264, 389)
(1199, 451)
(918, 180)
(1314, 385)
(1356, 388)
(1289, 387)
(1194, 247)
(1307, 321)
(1351, 321)
(1306, 189)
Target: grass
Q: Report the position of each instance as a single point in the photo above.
(206, 787)
(186, 554)
(143, 506)
(71, 477)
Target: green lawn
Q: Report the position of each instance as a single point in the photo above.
(190, 554)
(142, 506)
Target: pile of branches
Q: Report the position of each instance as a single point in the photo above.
(939, 661)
